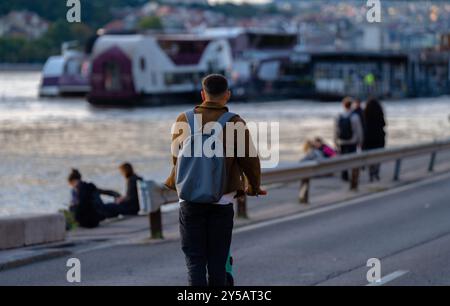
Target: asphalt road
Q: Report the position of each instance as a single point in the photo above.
(408, 229)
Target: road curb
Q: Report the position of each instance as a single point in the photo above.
(27, 260)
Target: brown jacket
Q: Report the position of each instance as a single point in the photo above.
(237, 168)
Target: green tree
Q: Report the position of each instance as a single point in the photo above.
(16, 50)
(9, 48)
(150, 23)
(94, 13)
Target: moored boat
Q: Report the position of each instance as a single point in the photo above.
(66, 74)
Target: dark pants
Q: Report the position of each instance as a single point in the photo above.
(110, 210)
(347, 149)
(374, 170)
(206, 231)
(113, 210)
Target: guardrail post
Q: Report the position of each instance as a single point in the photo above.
(354, 181)
(304, 191)
(242, 207)
(156, 231)
(398, 167)
(432, 162)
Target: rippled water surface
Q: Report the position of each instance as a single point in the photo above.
(41, 139)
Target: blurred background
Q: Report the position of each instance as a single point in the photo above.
(106, 90)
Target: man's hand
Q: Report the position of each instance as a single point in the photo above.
(119, 200)
(262, 192)
(252, 193)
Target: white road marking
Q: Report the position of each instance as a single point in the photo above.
(388, 278)
(349, 203)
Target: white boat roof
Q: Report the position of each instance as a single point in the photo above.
(127, 43)
(130, 42)
(185, 37)
(54, 66)
(225, 32)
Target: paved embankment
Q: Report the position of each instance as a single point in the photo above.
(282, 201)
(406, 228)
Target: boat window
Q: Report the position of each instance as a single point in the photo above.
(182, 78)
(112, 77)
(184, 52)
(269, 71)
(293, 68)
(73, 67)
(272, 41)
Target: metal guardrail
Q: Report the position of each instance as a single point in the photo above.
(153, 195)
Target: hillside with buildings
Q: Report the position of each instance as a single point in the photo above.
(30, 33)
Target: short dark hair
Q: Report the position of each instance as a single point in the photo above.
(347, 102)
(74, 175)
(127, 168)
(215, 85)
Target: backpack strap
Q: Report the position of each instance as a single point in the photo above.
(223, 120)
(226, 118)
(193, 124)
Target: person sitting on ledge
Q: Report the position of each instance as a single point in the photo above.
(127, 205)
(312, 153)
(326, 150)
(86, 204)
(88, 207)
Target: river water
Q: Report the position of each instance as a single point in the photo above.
(41, 139)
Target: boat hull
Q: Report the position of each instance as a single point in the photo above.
(164, 99)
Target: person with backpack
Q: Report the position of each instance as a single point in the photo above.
(349, 134)
(208, 185)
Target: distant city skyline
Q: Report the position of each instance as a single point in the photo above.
(240, 1)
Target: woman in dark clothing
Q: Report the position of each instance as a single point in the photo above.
(375, 135)
(128, 204)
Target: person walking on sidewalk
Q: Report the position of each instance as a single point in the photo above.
(375, 136)
(206, 209)
(349, 134)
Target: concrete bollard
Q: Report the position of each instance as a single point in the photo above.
(304, 191)
(156, 231)
(242, 207)
(432, 162)
(354, 181)
(398, 168)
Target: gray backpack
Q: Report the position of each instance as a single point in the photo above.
(200, 179)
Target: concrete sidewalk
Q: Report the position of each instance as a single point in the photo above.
(281, 201)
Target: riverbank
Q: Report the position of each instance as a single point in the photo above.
(282, 201)
(41, 139)
(21, 67)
